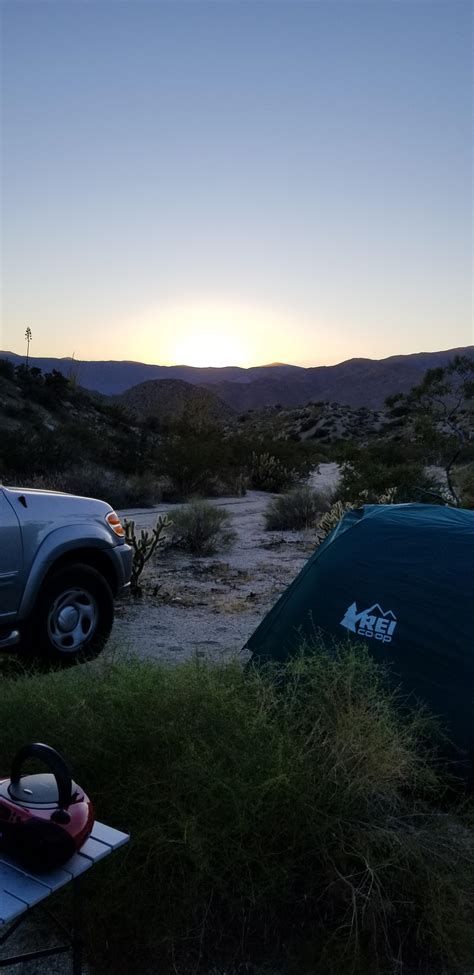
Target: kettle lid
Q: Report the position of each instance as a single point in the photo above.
(36, 790)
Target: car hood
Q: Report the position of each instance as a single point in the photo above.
(53, 509)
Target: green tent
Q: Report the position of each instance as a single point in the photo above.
(400, 578)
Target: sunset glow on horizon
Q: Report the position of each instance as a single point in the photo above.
(236, 183)
(210, 332)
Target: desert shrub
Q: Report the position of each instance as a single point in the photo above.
(464, 479)
(202, 528)
(92, 481)
(374, 471)
(115, 411)
(47, 389)
(13, 410)
(264, 818)
(206, 462)
(298, 509)
(235, 485)
(7, 369)
(194, 463)
(277, 464)
(38, 451)
(140, 491)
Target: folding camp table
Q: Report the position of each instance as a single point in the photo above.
(22, 889)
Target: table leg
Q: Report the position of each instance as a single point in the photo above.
(77, 939)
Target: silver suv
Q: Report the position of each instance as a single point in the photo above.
(63, 559)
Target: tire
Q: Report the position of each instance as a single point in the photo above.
(73, 615)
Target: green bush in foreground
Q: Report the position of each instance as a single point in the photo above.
(297, 509)
(268, 819)
(202, 528)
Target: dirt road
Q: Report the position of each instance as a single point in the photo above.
(210, 606)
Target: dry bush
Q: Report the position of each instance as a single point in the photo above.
(298, 509)
(202, 528)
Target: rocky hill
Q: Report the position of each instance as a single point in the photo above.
(170, 399)
(325, 423)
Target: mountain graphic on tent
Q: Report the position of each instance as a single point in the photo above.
(352, 617)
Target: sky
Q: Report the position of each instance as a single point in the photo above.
(236, 183)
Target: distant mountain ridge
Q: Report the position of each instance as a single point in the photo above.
(112, 377)
(355, 382)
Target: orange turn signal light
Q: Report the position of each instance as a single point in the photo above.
(115, 524)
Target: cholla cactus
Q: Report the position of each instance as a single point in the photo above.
(143, 547)
(337, 511)
(267, 473)
(332, 517)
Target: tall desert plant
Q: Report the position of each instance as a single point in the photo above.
(143, 546)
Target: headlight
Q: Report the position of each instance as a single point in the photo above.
(115, 524)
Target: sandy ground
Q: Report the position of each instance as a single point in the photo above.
(210, 606)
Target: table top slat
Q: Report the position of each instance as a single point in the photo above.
(77, 864)
(111, 837)
(93, 850)
(10, 907)
(28, 889)
(53, 879)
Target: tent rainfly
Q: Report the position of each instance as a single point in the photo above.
(399, 578)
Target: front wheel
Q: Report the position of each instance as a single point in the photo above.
(73, 616)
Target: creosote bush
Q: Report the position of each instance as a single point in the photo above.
(297, 509)
(202, 528)
(267, 817)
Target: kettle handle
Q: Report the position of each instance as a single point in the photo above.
(55, 763)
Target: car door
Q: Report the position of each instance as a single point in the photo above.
(10, 559)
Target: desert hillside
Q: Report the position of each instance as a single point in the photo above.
(170, 399)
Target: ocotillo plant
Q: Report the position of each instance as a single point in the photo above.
(143, 547)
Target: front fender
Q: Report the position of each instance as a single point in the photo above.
(57, 544)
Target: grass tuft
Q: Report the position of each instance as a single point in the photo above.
(269, 818)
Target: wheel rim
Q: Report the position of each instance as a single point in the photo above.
(72, 620)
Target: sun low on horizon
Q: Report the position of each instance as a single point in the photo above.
(210, 347)
(216, 333)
